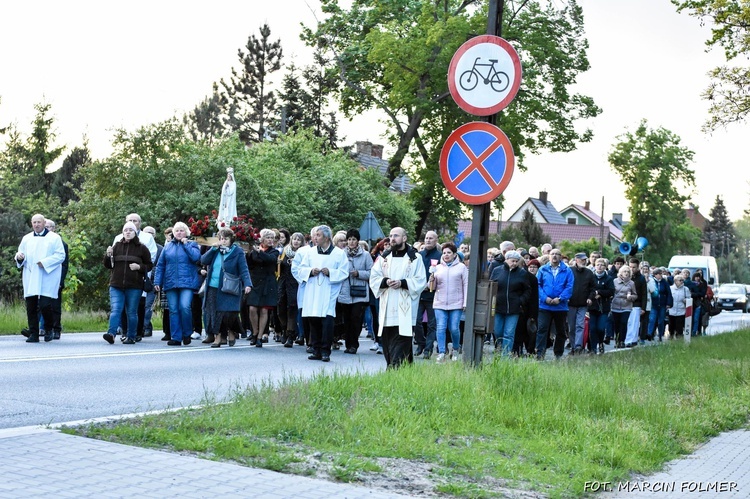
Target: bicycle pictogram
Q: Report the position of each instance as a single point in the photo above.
(496, 79)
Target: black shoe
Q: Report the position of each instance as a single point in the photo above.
(57, 335)
(138, 338)
(259, 343)
(48, 335)
(335, 346)
(109, 338)
(316, 357)
(147, 333)
(289, 343)
(325, 358)
(300, 341)
(166, 337)
(186, 340)
(420, 351)
(174, 343)
(427, 354)
(309, 350)
(25, 332)
(33, 338)
(129, 341)
(606, 341)
(353, 350)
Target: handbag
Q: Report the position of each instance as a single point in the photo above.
(148, 284)
(358, 291)
(230, 283)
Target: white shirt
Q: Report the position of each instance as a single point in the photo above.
(49, 250)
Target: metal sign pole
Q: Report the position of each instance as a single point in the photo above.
(473, 344)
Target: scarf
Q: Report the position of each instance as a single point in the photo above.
(289, 252)
(353, 252)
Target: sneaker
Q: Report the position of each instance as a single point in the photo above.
(195, 336)
(455, 356)
(380, 350)
(374, 347)
(186, 341)
(309, 350)
(129, 341)
(108, 338)
(440, 358)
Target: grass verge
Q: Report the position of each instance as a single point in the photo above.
(541, 428)
(13, 319)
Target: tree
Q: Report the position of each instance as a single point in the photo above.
(654, 170)
(394, 56)
(729, 90)
(204, 122)
(247, 101)
(719, 230)
(533, 235)
(66, 181)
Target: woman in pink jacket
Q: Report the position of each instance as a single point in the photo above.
(450, 280)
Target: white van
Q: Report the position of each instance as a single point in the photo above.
(706, 264)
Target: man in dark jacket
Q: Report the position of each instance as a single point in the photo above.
(431, 254)
(583, 286)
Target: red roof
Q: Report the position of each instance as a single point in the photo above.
(556, 232)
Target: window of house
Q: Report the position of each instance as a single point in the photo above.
(572, 221)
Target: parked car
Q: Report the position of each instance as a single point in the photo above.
(734, 297)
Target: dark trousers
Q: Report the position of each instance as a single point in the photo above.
(620, 323)
(57, 312)
(141, 317)
(523, 338)
(676, 325)
(353, 313)
(196, 307)
(559, 319)
(643, 330)
(321, 334)
(396, 348)
(36, 305)
(419, 335)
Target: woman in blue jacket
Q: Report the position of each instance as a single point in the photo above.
(177, 274)
(218, 305)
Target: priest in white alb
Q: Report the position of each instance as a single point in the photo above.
(40, 255)
(398, 277)
(322, 270)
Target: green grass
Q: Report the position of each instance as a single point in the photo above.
(547, 427)
(13, 319)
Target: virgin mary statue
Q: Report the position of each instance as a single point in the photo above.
(228, 203)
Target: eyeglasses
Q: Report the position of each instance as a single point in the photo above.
(133, 221)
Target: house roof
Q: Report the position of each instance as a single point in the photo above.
(402, 183)
(696, 218)
(615, 231)
(556, 232)
(545, 208)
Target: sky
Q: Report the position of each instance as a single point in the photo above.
(106, 65)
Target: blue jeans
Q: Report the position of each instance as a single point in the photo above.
(448, 319)
(123, 299)
(180, 312)
(696, 318)
(657, 321)
(505, 328)
(150, 297)
(597, 330)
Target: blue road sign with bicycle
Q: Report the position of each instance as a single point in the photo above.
(484, 75)
(477, 163)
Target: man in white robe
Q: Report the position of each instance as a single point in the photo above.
(398, 278)
(322, 269)
(40, 255)
(303, 322)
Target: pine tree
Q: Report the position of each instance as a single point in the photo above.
(66, 181)
(204, 123)
(292, 98)
(719, 230)
(532, 232)
(247, 101)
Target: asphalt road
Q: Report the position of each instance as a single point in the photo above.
(81, 376)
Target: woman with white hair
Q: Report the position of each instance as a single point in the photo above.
(177, 274)
(262, 262)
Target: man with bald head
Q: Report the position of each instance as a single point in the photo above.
(431, 254)
(397, 278)
(40, 255)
